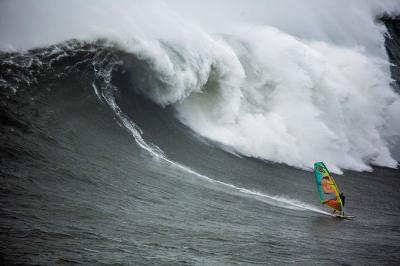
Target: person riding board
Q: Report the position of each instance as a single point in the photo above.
(329, 193)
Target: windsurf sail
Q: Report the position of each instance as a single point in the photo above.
(327, 188)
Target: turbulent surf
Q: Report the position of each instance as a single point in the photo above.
(168, 132)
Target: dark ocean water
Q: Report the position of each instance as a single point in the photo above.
(78, 188)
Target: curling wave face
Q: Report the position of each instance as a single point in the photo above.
(299, 101)
(258, 90)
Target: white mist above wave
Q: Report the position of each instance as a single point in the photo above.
(289, 82)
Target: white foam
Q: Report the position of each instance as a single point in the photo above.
(274, 200)
(156, 152)
(291, 82)
(301, 102)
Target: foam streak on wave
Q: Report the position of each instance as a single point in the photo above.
(294, 93)
(156, 152)
(279, 201)
(103, 68)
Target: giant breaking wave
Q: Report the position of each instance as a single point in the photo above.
(254, 85)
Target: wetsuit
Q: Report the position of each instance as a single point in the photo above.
(343, 199)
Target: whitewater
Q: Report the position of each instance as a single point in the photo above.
(258, 85)
(184, 132)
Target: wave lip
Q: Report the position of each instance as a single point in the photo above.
(301, 102)
(261, 87)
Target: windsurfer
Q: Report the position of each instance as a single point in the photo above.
(328, 191)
